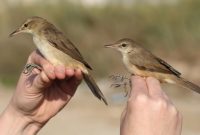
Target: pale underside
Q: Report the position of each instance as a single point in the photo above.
(57, 57)
(168, 78)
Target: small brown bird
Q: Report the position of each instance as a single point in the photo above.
(141, 62)
(57, 49)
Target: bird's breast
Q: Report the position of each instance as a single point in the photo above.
(55, 56)
(131, 67)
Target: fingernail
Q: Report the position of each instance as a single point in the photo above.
(50, 69)
(70, 71)
(78, 70)
(61, 69)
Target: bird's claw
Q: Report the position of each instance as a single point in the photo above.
(116, 85)
(118, 77)
(120, 81)
(28, 68)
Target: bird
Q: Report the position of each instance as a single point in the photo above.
(58, 49)
(141, 62)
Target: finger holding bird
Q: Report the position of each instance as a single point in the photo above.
(58, 49)
(139, 61)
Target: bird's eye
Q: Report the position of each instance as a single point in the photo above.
(25, 25)
(124, 45)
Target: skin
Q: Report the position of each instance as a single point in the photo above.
(149, 111)
(31, 105)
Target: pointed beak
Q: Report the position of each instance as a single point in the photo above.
(17, 31)
(111, 46)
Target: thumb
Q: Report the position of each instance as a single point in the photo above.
(41, 81)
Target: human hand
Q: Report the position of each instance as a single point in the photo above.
(149, 111)
(40, 95)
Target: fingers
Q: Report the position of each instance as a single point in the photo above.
(139, 86)
(149, 87)
(69, 72)
(78, 76)
(41, 81)
(155, 90)
(71, 82)
(154, 87)
(39, 60)
(67, 82)
(60, 72)
(75, 80)
(50, 72)
(65, 73)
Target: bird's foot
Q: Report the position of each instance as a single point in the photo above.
(121, 81)
(118, 78)
(29, 68)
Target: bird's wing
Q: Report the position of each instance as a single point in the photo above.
(147, 61)
(59, 41)
(168, 66)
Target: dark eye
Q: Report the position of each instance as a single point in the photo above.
(124, 45)
(25, 25)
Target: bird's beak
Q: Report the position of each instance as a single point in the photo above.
(17, 31)
(111, 46)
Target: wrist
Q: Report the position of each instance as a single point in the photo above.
(14, 122)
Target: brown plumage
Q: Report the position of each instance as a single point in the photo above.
(141, 62)
(57, 49)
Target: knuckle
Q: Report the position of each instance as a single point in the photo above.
(173, 110)
(139, 100)
(164, 106)
(160, 103)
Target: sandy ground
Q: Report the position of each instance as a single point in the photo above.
(87, 116)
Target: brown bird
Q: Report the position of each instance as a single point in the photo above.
(141, 62)
(57, 49)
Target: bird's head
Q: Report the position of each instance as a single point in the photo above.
(123, 45)
(31, 25)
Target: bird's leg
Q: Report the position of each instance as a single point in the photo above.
(116, 85)
(115, 79)
(121, 81)
(127, 86)
(29, 68)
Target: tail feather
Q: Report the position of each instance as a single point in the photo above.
(188, 85)
(94, 88)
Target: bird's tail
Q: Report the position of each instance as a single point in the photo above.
(94, 88)
(188, 85)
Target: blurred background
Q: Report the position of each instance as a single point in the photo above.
(169, 28)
